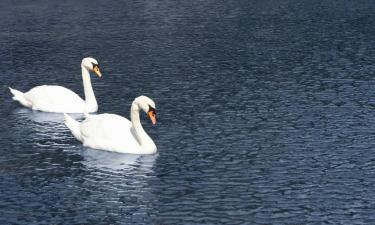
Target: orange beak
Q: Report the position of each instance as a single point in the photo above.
(152, 117)
(97, 71)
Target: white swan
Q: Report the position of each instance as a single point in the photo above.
(115, 133)
(52, 98)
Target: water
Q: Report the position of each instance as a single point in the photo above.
(265, 112)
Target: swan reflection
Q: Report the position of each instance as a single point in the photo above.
(117, 161)
(44, 117)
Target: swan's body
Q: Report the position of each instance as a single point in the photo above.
(52, 98)
(115, 133)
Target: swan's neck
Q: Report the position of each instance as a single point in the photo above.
(144, 140)
(91, 104)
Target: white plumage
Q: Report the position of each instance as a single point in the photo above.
(53, 98)
(115, 133)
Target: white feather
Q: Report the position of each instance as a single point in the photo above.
(52, 98)
(113, 132)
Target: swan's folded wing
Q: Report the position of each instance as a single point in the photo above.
(105, 127)
(54, 98)
(110, 132)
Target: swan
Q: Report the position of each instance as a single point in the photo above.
(115, 133)
(52, 98)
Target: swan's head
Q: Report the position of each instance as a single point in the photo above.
(148, 106)
(91, 65)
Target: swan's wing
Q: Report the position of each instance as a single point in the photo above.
(54, 99)
(105, 126)
(108, 131)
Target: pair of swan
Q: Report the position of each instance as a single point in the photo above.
(104, 131)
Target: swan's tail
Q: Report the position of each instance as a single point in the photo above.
(20, 97)
(73, 126)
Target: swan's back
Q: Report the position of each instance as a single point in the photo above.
(53, 98)
(108, 131)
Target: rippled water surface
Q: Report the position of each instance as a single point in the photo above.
(265, 112)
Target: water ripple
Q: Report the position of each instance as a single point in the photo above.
(265, 112)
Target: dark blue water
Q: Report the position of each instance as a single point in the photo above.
(266, 112)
